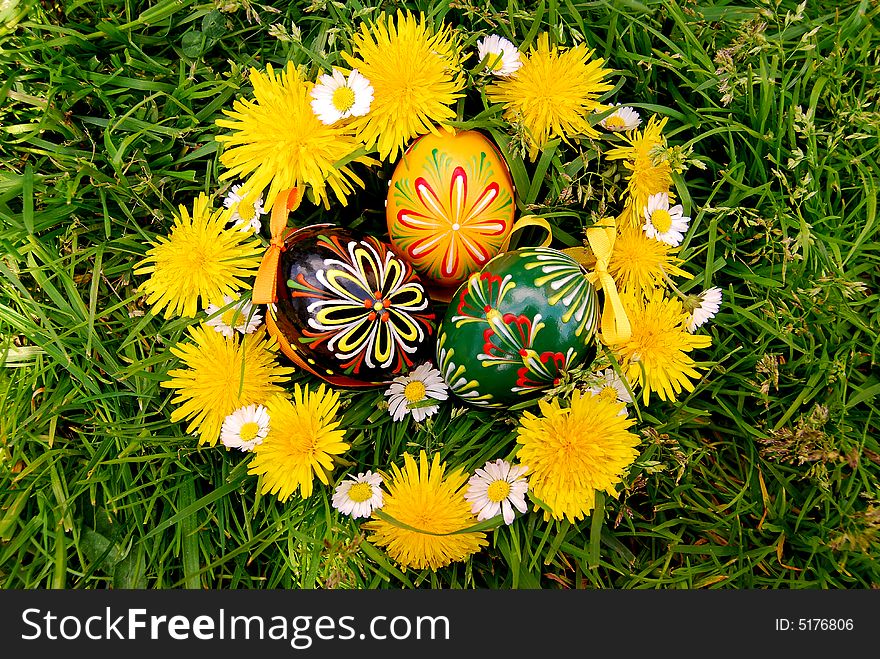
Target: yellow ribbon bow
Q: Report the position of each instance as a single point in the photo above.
(266, 283)
(529, 221)
(615, 324)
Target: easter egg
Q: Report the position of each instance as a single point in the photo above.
(348, 309)
(515, 327)
(450, 205)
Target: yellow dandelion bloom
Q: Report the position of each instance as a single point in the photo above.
(420, 497)
(572, 452)
(553, 93)
(655, 355)
(639, 263)
(648, 175)
(415, 74)
(222, 374)
(199, 259)
(280, 143)
(303, 437)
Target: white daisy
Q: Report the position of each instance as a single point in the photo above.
(664, 223)
(498, 487)
(358, 495)
(241, 317)
(245, 217)
(503, 56)
(623, 118)
(612, 387)
(708, 303)
(335, 98)
(412, 393)
(245, 428)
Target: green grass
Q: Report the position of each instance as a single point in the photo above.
(765, 477)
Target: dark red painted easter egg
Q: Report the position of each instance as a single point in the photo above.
(348, 309)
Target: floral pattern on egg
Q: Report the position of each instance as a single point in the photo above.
(450, 205)
(514, 329)
(349, 310)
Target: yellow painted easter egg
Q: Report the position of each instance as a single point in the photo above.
(450, 205)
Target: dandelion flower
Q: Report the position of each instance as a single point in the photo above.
(502, 57)
(707, 305)
(623, 118)
(664, 223)
(412, 393)
(280, 144)
(497, 488)
(611, 386)
(245, 428)
(574, 451)
(553, 93)
(429, 507)
(200, 260)
(649, 174)
(335, 98)
(359, 495)
(301, 443)
(222, 374)
(415, 75)
(656, 354)
(245, 216)
(240, 317)
(639, 263)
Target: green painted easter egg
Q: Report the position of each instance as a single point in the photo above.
(512, 329)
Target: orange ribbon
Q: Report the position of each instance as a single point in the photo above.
(266, 283)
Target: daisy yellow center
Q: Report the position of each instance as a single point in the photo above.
(414, 391)
(608, 393)
(360, 492)
(249, 431)
(614, 123)
(231, 317)
(498, 491)
(662, 220)
(245, 211)
(496, 61)
(343, 99)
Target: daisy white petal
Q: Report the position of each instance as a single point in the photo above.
(240, 317)
(359, 495)
(663, 223)
(363, 93)
(515, 472)
(518, 501)
(709, 302)
(334, 97)
(507, 510)
(502, 56)
(612, 387)
(415, 392)
(622, 119)
(245, 428)
(245, 216)
(497, 488)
